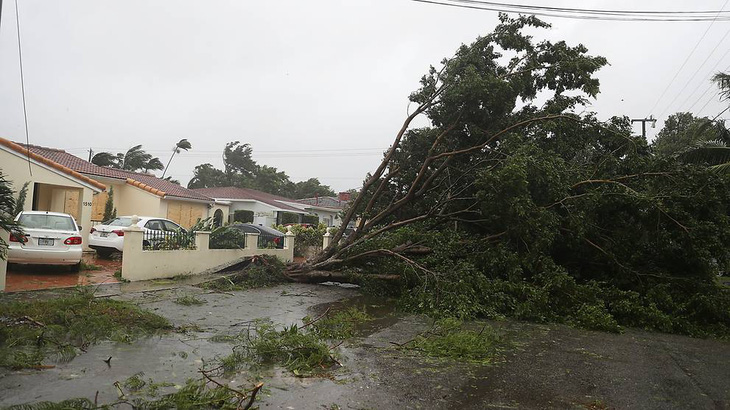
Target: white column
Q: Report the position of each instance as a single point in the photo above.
(85, 200)
(252, 241)
(326, 239)
(202, 240)
(133, 237)
(289, 245)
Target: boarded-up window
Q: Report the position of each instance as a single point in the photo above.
(97, 205)
(71, 204)
(185, 214)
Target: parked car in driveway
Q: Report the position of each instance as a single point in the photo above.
(50, 238)
(109, 236)
(268, 237)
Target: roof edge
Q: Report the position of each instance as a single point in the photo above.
(27, 152)
(145, 187)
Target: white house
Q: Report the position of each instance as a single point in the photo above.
(269, 209)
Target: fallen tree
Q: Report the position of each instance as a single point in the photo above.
(473, 103)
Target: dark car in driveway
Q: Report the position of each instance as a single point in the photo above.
(268, 237)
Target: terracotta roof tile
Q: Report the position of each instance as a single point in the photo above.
(166, 188)
(50, 162)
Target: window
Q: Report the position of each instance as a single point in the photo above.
(52, 222)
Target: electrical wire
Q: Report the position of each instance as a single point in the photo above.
(476, 5)
(22, 86)
(695, 73)
(685, 62)
(684, 102)
(588, 11)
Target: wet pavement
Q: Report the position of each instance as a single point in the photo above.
(548, 366)
(37, 277)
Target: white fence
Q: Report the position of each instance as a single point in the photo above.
(139, 264)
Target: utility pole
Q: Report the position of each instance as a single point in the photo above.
(643, 122)
(91, 151)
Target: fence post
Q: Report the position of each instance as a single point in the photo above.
(289, 245)
(202, 240)
(252, 241)
(4, 235)
(133, 237)
(289, 239)
(326, 239)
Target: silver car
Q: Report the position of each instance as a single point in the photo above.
(51, 238)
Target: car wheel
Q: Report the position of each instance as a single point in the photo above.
(75, 267)
(104, 253)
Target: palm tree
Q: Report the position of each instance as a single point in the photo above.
(8, 208)
(182, 144)
(715, 153)
(135, 159)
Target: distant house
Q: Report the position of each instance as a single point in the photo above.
(327, 208)
(267, 209)
(51, 185)
(135, 193)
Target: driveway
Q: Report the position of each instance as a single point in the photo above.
(35, 277)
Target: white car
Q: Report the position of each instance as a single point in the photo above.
(109, 237)
(51, 238)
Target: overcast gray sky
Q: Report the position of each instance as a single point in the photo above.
(318, 88)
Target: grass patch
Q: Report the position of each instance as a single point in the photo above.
(195, 394)
(189, 300)
(340, 325)
(32, 331)
(263, 271)
(301, 351)
(450, 339)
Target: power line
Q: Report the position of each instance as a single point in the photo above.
(695, 72)
(684, 102)
(569, 14)
(589, 11)
(22, 84)
(685, 62)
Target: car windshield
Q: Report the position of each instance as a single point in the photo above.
(53, 222)
(121, 221)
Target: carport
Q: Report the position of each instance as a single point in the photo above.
(51, 187)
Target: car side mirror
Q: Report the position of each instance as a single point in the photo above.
(80, 228)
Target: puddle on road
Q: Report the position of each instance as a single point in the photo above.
(173, 357)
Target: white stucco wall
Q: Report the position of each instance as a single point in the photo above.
(131, 200)
(263, 214)
(138, 264)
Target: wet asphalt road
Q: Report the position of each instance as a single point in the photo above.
(549, 366)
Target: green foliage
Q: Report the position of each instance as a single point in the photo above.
(7, 213)
(33, 330)
(289, 218)
(263, 271)
(189, 300)
(683, 131)
(227, 238)
(301, 352)
(243, 216)
(135, 159)
(110, 212)
(305, 236)
(450, 339)
(135, 382)
(20, 202)
(339, 326)
(240, 170)
(70, 404)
